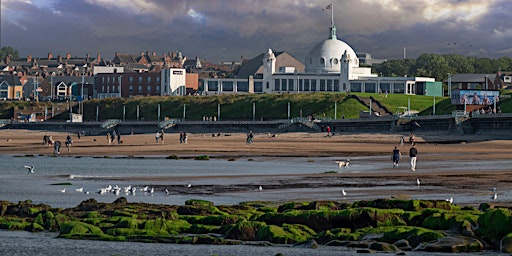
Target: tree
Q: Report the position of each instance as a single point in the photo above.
(8, 51)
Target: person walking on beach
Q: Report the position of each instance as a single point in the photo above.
(412, 153)
(182, 137)
(68, 142)
(56, 148)
(162, 136)
(108, 138)
(250, 137)
(396, 157)
(401, 140)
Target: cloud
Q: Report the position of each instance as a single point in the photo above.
(228, 29)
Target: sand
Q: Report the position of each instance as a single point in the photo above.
(431, 146)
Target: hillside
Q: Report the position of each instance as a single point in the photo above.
(241, 107)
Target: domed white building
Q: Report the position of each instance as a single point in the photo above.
(325, 57)
(331, 66)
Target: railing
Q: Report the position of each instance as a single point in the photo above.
(110, 123)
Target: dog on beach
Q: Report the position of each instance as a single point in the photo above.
(342, 164)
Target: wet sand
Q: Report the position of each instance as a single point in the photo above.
(432, 147)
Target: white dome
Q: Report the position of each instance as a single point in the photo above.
(326, 56)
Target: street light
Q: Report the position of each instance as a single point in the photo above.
(51, 86)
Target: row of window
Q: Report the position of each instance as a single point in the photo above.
(306, 85)
(107, 79)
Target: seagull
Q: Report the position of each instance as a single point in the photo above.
(80, 189)
(152, 190)
(86, 192)
(343, 193)
(260, 188)
(62, 190)
(189, 185)
(494, 190)
(418, 182)
(495, 196)
(450, 200)
(166, 191)
(30, 168)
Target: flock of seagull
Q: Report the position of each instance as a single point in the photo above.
(131, 190)
(345, 163)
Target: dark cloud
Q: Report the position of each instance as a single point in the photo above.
(225, 30)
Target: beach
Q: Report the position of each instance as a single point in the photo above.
(448, 164)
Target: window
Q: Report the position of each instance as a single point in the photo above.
(158, 79)
(322, 61)
(336, 85)
(268, 85)
(158, 88)
(370, 87)
(213, 86)
(130, 88)
(329, 85)
(301, 81)
(291, 84)
(131, 79)
(148, 79)
(322, 85)
(149, 88)
(335, 61)
(277, 85)
(313, 85)
(140, 87)
(140, 79)
(284, 84)
(306, 85)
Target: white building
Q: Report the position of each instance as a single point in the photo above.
(174, 81)
(331, 66)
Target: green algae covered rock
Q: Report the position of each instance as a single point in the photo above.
(13, 223)
(341, 234)
(78, 227)
(415, 235)
(506, 243)
(454, 244)
(244, 230)
(494, 224)
(460, 221)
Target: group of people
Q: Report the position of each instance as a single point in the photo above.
(48, 141)
(113, 136)
(183, 137)
(413, 152)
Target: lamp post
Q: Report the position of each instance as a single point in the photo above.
(450, 85)
(51, 86)
(486, 88)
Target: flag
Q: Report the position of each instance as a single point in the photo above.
(328, 7)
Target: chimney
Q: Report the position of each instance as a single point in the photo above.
(59, 58)
(154, 54)
(98, 57)
(50, 56)
(141, 53)
(147, 53)
(117, 54)
(87, 57)
(29, 58)
(68, 55)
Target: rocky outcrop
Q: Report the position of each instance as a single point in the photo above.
(370, 226)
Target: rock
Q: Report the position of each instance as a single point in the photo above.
(455, 244)
(383, 247)
(337, 243)
(506, 244)
(307, 244)
(403, 245)
(121, 200)
(365, 251)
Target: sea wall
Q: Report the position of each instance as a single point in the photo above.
(482, 124)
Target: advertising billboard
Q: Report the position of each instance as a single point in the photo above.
(474, 97)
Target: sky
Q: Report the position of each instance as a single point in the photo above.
(227, 30)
